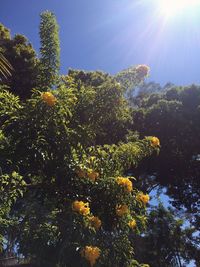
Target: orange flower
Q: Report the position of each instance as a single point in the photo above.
(91, 254)
(126, 183)
(143, 198)
(132, 224)
(95, 222)
(81, 207)
(121, 209)
(49, 98)
(155, 141)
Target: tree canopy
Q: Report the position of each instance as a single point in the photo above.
(173, 116)
(22, 57)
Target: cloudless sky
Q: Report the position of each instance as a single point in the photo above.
(111, 35)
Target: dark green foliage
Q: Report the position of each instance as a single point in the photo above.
(22, 57)
(145, 89)
(4, 34)
(50, 50)
(174, 117)
(8, 105)
(101, 108)
(167, 241)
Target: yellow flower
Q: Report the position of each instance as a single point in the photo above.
(95, 222)
(126, 183)
(92, 175)
(49, 98)
(132, 224)
(91, 254)
(81, 207)
(121, 209)
(155, 141)
(143, 198)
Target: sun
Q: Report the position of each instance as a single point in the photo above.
(169, 8)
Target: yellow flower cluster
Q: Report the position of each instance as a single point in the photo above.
(81, 207)
(95, 222)
(144, 198)
(49, 98)
(132, 224)
(91, 254)
(126, 183)
(91, 174)
(155, 141)
(121, 209)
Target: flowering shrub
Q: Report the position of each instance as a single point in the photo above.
(77, 208)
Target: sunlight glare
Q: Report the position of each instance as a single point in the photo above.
(169, 8)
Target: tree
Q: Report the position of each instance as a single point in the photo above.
(173, 116)
(167, 240)
(50, 49)
(77, 207)
(22, 57)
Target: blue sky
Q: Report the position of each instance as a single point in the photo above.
(111, 35)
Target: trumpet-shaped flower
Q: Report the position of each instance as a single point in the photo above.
(91, 254)
(81, 207)
(144, 198)
(155, 141)
(132, 224)
(95, 222)
(121, 209)
(49, 98)
(126, 183)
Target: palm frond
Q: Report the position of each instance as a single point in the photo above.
(5, 67)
